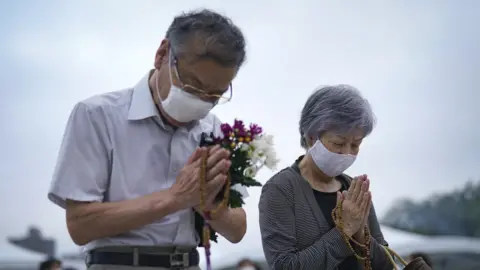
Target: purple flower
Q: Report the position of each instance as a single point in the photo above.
(239, 128)
(238, 124)
(255, 130)
(226, 130)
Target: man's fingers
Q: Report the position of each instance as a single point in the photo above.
(216, 155)
(195, 164)
(214, 187)
(196, 156)
(216, 183)
(221, 167)
(193, 175)
(213, 149)
(199, 158)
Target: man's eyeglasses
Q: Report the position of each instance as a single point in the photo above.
(202, 94)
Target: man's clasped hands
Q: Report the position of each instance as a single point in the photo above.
(357, 201)
(187, 186)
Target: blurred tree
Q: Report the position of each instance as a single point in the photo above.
(452, 213)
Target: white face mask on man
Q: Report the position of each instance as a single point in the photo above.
(182, 106)
(331, 164)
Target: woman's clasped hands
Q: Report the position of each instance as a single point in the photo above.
(356, 204)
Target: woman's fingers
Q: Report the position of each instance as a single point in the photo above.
(359, 187)
(360, 190)
(366, 185)
(351, 189)
(344, 194)
(369, 206)
(356, 193)
(339, 197)
(365, 201)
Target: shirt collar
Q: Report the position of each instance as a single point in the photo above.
(142, 105)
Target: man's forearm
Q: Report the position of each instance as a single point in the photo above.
(232, 224)
(87, 221)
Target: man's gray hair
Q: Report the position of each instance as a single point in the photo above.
(207, 35)
(340, 109)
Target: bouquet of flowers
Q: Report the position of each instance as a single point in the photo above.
(251, 150)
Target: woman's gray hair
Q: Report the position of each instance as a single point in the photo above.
(339, 108)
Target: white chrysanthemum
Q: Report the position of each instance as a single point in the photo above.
(271, 159)
(251, 171)
(260, 144)
(263, 152)
(256, 156)
(268, 139)
(244, 147)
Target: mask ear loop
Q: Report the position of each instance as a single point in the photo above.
(312, 141)
(170, 59)
(157, 85)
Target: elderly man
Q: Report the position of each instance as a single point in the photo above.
(127, 172)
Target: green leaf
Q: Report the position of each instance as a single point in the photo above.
(250, 182)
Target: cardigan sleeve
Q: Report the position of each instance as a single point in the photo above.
(378, 257)
(278, 227)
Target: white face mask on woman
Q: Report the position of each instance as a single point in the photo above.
(182, 106)
(331, 164)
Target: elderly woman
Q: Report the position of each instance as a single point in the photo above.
(297, 227)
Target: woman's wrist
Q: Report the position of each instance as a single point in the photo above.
(349, 232)
(360, 236)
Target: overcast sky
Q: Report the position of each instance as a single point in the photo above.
(416, 61)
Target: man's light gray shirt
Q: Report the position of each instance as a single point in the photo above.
(116, 147)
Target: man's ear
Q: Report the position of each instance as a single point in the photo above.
(161, 56)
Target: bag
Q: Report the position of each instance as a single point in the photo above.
(417, 264)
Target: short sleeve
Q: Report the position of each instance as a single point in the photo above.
(82, 169)
(217, 132)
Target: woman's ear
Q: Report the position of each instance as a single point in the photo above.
(310, 141)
